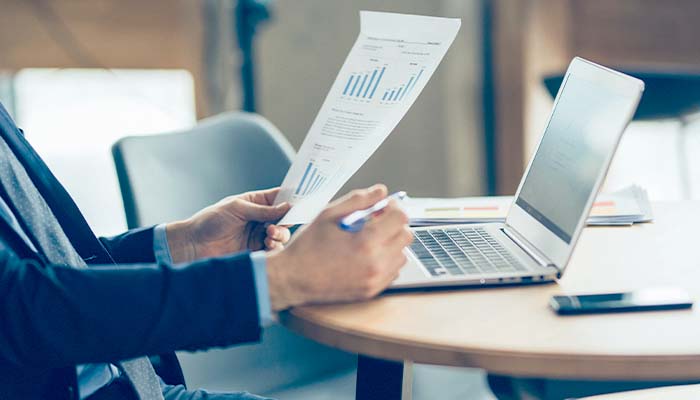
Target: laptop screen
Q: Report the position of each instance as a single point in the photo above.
(571, 155)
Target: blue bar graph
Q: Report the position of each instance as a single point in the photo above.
(311, 184)
(374, 73)
(407, 86)
(398, 93)
(355, 85)
(348, 85)
(363, 85)
(306, 173)
(321, 182)
(364, 80)
(409, 90)
(317, 184)
(379, 79)
(308, 182)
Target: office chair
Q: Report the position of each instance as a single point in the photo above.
(667, 95)
(171, 176)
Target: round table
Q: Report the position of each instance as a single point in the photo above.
(687, 392)
(511, 330)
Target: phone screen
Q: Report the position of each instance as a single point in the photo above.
(647, 299)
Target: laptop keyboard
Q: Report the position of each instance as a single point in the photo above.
(460, 251)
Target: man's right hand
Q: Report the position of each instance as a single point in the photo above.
(324, 264)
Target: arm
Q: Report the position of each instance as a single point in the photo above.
(321, 264)
(134, 246)
(57, 316)
(236, 223)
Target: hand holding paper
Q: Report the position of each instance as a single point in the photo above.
(392, 60)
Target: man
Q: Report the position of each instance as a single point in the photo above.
(79, 314)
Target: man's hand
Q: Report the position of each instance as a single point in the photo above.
(233, 224)
(324, 264)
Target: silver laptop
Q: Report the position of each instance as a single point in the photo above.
(591, 110)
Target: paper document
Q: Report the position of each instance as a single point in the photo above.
(623, 207)
(387, 68)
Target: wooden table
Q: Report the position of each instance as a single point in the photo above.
(687, 392)
(511, 331)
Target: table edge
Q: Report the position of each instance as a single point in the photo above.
(514, 363)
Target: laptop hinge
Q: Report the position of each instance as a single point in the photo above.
(539, 258)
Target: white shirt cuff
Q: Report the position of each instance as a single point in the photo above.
(160, 245)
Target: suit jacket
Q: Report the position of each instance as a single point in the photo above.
(54, 317)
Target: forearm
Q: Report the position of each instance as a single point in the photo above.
(181, 245)
(137, 310)
(133, 246)
(284, 291)
(137, 245)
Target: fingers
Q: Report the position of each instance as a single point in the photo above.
(394, 266)
(355, 200)
(278, 233)
(388, 271)
(268, 195)
(277, 237)
(383, 247)
(264, 197)
(403, 238)
(394, 256)
(386, 224)
(259, 213)
(271, 244)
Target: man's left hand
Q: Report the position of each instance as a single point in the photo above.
(233, 224)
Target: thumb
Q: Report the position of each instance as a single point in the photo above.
(261, 213)
(356, 200)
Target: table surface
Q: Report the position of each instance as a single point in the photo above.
(688, 392)
(512, 331)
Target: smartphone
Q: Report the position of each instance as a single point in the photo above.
(639, 300)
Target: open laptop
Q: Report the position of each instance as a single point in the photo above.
(591, 110)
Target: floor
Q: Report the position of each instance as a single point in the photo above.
(430, 382)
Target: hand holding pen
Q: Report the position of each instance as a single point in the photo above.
(357, 220)
(325, 263)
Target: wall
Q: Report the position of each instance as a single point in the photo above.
(536, 38)
(436, 150)
(105, 34)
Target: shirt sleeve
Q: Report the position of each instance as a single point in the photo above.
(160, 245)
(258, 259)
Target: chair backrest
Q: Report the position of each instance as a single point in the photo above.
(171, 176)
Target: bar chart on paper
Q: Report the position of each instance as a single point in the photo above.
(311, 181)
(385, 71)
(363, 85)
(398, 93)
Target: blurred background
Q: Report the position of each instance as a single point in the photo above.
(78, 75)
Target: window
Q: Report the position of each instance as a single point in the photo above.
(658, 155)
(73, 116)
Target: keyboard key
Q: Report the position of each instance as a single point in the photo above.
(456, 251)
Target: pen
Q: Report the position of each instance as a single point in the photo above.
(356, 220)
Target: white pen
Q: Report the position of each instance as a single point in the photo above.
(356, 220)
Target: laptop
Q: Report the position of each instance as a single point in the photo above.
(591, 110)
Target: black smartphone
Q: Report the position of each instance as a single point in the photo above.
(639, 300)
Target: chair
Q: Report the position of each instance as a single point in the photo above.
(668, 95)
(170, 176)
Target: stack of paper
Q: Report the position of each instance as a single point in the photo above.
(623, 207)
